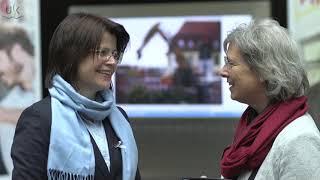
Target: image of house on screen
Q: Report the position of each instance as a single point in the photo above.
(190, 76)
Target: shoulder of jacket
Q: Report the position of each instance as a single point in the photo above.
(123, 112)
(299, 130)
(41, 109)
(43, 106)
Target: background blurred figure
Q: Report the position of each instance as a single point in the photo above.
(78, 131)
(16, 76)
(16, 70)
(276, 138)
(183, 75)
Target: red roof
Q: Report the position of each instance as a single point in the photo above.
(200, 29)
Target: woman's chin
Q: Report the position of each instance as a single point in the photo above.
(104, 86)
(233, 96)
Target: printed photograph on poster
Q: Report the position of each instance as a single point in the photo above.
(20, 81)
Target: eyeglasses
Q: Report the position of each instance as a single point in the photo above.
(107, 53)
(228, 63)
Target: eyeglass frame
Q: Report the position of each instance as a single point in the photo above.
(107, 55)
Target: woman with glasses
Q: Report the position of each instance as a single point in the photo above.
(276, 138)
(78, 132)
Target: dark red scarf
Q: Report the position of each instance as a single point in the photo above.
(253, 141)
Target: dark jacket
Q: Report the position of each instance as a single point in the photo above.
(31, 146)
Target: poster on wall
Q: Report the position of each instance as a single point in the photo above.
(20, 73)
(304, 28)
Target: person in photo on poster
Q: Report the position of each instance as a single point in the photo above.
(16, 78)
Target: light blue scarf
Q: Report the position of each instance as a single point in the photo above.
(70, 151)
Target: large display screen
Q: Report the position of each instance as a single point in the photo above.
(170, 68)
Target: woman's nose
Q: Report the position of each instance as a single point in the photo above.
(223, 72)
(111, 60)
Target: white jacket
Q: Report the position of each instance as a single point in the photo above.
(294, 155)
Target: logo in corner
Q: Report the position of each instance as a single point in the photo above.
(10, 10)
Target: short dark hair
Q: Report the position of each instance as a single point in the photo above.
(74, 39)
(11, 34)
